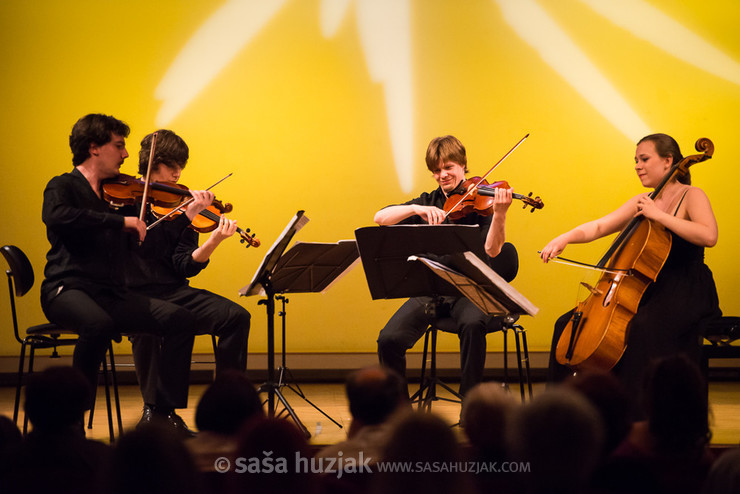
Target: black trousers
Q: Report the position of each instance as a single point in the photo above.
(104, 315)
(410, 322)
(211, 314)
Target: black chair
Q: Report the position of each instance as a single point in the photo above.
(720, 333)
(506, 264)
(41, 336)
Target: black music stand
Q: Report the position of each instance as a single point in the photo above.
(385, 251)
(450, 265)
(488, 291)
(306, 267)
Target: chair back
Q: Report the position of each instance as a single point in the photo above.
(20, 279)
(20, 269)
(506, 264)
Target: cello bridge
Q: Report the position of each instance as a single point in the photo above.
(593, 290)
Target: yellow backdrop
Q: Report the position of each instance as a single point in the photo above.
(327, 106)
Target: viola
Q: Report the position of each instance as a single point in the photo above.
(166, 199)
(480, 200)
(596, 335)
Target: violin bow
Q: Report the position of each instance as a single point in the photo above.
(470, 191)
(145, 195)
(179, 208)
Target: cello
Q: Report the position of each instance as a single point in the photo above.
(596, 335)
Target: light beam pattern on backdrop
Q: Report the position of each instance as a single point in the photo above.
(646, 22)
(384, 29)
(539, 30)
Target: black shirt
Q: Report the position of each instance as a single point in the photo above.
(88, 243)
(165, 259)
(437, 198)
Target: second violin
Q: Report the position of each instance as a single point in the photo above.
(206, 221)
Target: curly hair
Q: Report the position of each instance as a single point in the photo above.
(94, 128)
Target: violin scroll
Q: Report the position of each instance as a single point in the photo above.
(528, 200)
(207, 220)
(250, 240)
(534, 203)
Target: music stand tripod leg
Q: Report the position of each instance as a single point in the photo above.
(424, 381)
(286, 377)
(523, 332)
(523, 376)
(271, 387)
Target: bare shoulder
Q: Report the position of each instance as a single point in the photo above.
(695, 197)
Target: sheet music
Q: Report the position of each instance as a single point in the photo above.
(314, 266)
(384, 251)
(482, 299)
(522, 301)
(489, 292)
(268, 262)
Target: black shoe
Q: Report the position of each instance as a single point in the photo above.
(179, 425)
(169, 419)
(147, 416)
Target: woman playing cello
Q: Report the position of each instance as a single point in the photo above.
(673, 309)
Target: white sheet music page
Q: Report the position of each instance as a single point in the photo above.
(494, 296)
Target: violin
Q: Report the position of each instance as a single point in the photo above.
(480, 200)
(167, 199)
(207, 220)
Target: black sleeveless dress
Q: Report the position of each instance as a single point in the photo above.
(672, 314)
(670, 319)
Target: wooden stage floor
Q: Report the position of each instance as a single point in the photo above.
(724, 399)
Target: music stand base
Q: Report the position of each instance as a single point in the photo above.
(285, 374)
(273, 391)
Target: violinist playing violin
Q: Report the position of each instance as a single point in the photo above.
(674, 307)
(170, 255)
(84, 287)
(446, 159)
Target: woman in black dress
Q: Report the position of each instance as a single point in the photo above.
(674, 308)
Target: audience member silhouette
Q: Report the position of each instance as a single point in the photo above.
(724, 476)
(673, 444)
(55, 456)
(375, 394)
(223, 409)
(225, 406)
(427, 444)
(560, 435)
(151, 459)
(607, 394)
(10, 435)
(273, 456)
(487, 412)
